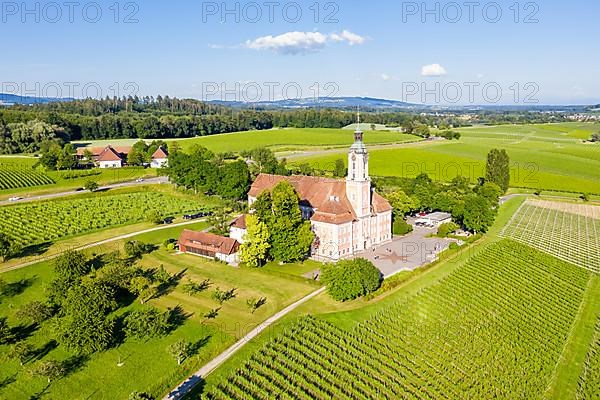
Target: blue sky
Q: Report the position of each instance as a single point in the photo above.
(382, 49)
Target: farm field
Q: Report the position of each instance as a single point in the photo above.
(568, 231)
(18, 173)
(146, 366)
(589, 384)
(32, 224)
(18, 177)
(289, 139)
(545, 157)
(503, 339)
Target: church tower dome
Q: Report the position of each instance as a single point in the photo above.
(358, 182)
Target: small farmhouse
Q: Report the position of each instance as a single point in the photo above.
(109, 158)
(160, 158)
(210, 246)
(116, 156)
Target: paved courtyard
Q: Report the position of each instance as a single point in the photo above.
(407, 252)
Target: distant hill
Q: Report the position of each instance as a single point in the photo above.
(10, 99)
(375, 104)
(365, 103)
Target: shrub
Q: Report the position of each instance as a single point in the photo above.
(453, 246)
(401, 227)
(445, 229)
(349, 279)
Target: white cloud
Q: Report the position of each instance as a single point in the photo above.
(302, 42)
(351, 38)
(385, 77)
(433, 70)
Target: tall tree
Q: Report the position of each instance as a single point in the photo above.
(478, 214)
(255, 249)
(498, 168)
(291, 236)
(71, 265)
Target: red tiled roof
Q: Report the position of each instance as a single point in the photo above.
(380, 204)
(209, 242)
(96, 151)
(160, 153)
(240, 222)
(109, 154)
(327, 196)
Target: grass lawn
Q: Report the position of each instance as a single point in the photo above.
(542, 157)
(146, 364)
(289, 139)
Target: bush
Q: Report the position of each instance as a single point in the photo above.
(401, 227)
(445, 229)
(349, 279)
(453, 246)
(136, 249)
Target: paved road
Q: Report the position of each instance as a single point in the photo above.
(150, 181)
(105, 241)
(187, 385)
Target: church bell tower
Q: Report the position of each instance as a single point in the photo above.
(358, 182)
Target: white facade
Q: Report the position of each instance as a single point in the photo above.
(237, 234)
(110, 164)
(159, 162)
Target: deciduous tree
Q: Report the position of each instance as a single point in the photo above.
(255, 249)
(498, 169)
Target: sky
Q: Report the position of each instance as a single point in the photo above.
(502, 52)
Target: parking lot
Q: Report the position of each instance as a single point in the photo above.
(408, 252)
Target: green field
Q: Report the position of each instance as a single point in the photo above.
(146, 366)
(546, 157)
(35, 223)
(477, 334)
(290, 139)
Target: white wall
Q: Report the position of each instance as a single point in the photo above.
(110, 164)
(159, 163)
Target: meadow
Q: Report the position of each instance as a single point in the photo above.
(544, 157)
(290, 139)
(476, 334)
(145, 365)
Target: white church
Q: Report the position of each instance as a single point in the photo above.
(347, 216)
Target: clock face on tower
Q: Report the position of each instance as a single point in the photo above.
(353, 157)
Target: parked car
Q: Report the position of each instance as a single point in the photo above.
(15, 198)
(140, 180)
(168, 220)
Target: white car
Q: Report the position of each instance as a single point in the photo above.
(15, 199)
(140, 180)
